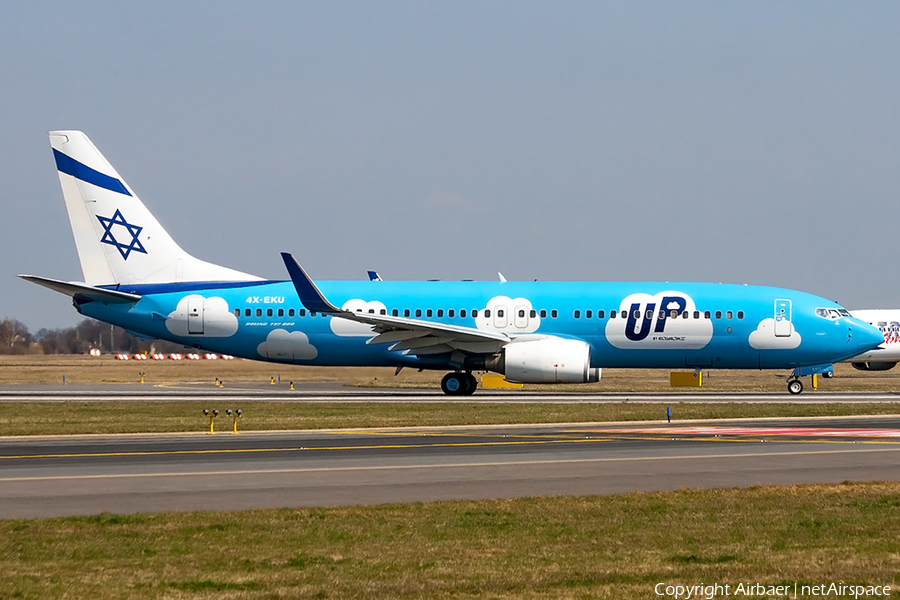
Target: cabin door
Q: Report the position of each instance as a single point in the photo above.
(195, 314)
(783, 318)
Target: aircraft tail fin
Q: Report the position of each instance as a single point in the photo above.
(117, 238)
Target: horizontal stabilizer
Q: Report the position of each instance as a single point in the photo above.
(82, 290)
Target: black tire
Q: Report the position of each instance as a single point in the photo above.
(453, 384)
(471, 384)
(795, 386)
(828, 374)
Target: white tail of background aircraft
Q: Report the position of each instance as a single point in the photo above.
(118, 239)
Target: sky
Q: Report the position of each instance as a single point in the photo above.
(595, 141)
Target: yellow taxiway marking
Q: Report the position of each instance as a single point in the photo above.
(299, 448)
(521, 440)
(441, 465)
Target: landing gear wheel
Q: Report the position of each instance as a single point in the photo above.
(828, 374)
(459, 384)
(471, 384)
(795, 386)
(454, 384)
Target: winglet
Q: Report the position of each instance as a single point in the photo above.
(310, 296)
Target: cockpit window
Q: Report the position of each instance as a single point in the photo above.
(832, 313)
(844, 312)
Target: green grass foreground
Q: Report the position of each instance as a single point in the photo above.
(574, 547)
(75, 417)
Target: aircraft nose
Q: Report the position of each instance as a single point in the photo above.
(866, 336)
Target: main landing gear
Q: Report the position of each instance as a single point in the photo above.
(459, 384)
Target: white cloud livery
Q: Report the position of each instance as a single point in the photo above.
(676, 332)
(515, 318)
(281, 344)
(212, 317)
(764, 337)
(345, 327)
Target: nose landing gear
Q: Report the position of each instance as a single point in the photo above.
(459, 384)
(794, 385)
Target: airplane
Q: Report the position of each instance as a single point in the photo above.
(137, 277)
(887, 355)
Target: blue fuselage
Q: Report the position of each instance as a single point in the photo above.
(664, 325)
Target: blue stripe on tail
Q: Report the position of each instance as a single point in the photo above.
(70, 166)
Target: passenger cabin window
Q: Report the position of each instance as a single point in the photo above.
(428, 313)
(624, 314)
(577, 314)
(543, 313)
(462, 313)
(600, 314)
(269, 312)
(247, 312)
(522, 313)
(405, 312)
(729, 314)
(707, 314)
(418, 312)
(237, 312)
(740, 314)
(302, 312)
(532, 313)
(588, 314)
(258, 312)
(613, 314)
(280, 312)
(451, 313)
(290, 312)
(440, 312)
(696, 314)
(487, 313)
(553, 313)
(395, 312)
(474, 313)
(718, 314)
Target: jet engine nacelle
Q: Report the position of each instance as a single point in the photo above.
(553, 360)
(874, 366)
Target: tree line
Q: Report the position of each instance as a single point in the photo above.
(80, 339)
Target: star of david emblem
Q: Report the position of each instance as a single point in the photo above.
(109, 238)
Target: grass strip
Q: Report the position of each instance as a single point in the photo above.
(567, 547)
(98, 417)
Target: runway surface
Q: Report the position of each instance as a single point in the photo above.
(79, 475)
(335, 392)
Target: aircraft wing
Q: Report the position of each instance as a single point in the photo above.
(82, 291)
(413, 336)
